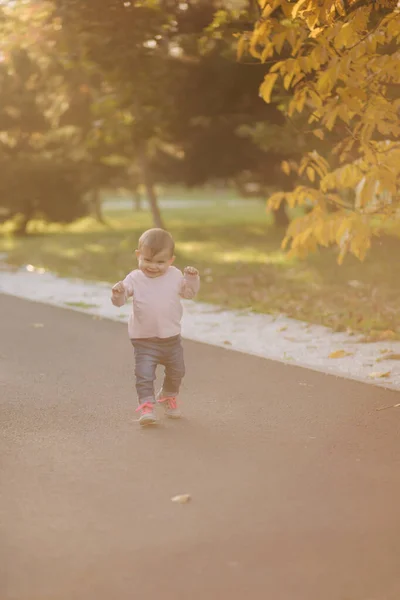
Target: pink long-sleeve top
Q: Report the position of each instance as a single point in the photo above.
(156, 302)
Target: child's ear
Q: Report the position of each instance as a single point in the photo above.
(137, 253)
(172, 259)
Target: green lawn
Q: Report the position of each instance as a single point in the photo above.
(179, 193)
(238, 253)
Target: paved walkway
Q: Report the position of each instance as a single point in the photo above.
(268, 336)
(294, 475)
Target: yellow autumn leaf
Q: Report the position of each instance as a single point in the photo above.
(367, 130)
(275, 200)
(367, 192)
(278, 41)
(316, 31)
(344, 228)
(285, 167)
(315, 98)
(331, 118)
(312, 19)
(181, 498)
(291, 37)
(340, 8)
(345, 37)
(348, 176)
(278, 66)
(339, 354)
(287, 80)
(319, 133)
(300, 98)
(379, 374)
(326, 81)
(267, 85)
(300, 4)
(267, 52)
(393, 356)
(269, 7)
(310, 173)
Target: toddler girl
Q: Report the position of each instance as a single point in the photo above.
(155, 322)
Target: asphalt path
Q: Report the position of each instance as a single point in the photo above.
(294, 476)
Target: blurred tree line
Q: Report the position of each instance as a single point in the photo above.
(131, 93)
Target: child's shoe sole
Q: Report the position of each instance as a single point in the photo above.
(146, 420)
(173, 415)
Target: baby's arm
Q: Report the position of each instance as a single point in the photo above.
(190, 283)
(122, 290)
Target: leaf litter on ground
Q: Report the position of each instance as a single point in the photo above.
(181, 498)
(388, 357)
(340, 354)
(387, 407)
(379, 374)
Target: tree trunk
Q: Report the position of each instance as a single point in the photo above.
(22, 224)
(152, 196)
(155, 210)
(137, 199)
(95, 202)
(280, 216)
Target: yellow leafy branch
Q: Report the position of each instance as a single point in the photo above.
(339, 62)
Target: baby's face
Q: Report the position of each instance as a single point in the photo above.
(154, 266)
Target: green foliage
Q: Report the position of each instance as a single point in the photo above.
(177, 80)
(42, 188)
(237, 252)
(38, 173)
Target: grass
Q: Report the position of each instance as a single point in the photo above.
(80, 304)
(179, 193)
(238, 253)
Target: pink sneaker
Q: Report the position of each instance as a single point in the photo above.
(148, 415)
(170, 406)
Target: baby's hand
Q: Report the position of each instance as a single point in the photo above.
(118, 288)
(190, 271)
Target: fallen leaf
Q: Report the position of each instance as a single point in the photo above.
(339, 354)
(387, 335)
(284, 328)
(37, 325)
(379, 374)
(181, 499)
(389, 357)
(227, 343)
(379, 336)
(391, 406)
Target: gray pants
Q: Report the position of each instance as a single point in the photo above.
(149, 353)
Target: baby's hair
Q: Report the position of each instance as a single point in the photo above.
(157, 240)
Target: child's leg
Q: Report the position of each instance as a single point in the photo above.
(174, 363)
(146, 360)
